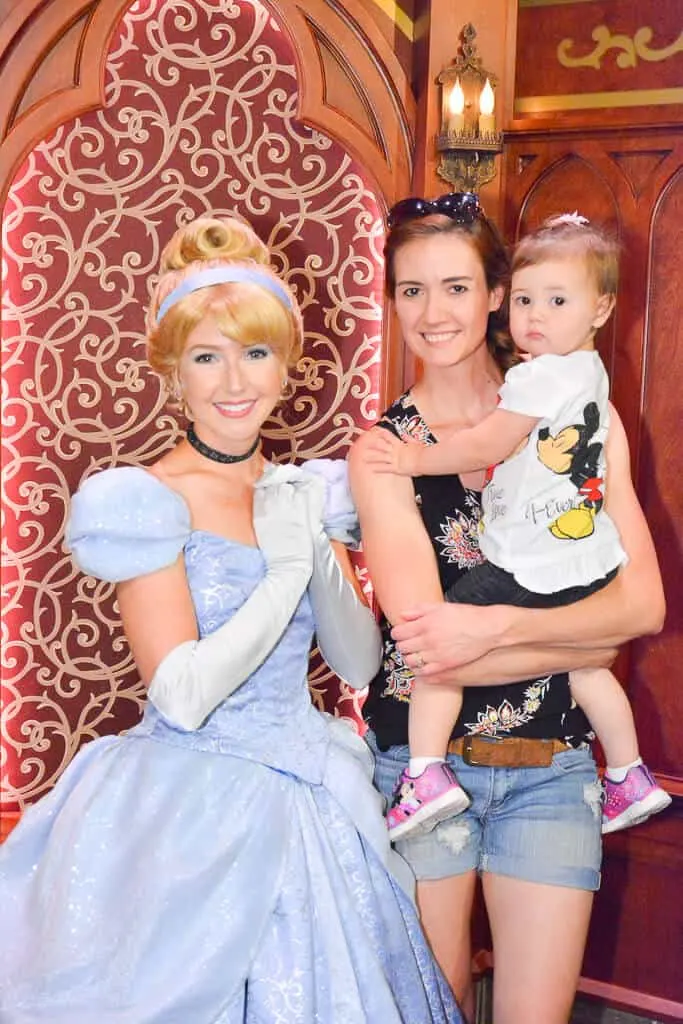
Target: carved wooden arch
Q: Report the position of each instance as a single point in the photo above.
(351, 87)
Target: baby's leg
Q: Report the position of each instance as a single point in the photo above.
(599, 694)
(434, 710)
(631, 793)
(427, 791)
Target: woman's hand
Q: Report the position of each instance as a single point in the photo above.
(284, 517)
(435, 638)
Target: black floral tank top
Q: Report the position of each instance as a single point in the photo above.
(537, 707)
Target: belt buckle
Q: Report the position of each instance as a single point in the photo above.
(467, 750)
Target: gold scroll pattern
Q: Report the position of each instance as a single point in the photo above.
(631, 49)
(199, 116)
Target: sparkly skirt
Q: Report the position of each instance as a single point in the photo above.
(162, 884)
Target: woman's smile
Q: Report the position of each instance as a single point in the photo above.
(235, 410)
(440, 337)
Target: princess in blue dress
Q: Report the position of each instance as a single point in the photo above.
(226, 860)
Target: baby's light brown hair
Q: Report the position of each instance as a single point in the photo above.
(571, 236)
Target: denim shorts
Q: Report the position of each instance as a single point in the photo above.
(537, 824)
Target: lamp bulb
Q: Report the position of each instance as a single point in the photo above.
(456, 101)
(487, 99)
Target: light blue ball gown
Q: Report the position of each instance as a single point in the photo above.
(238, 874)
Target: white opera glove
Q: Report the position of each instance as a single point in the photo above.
(346, 632)
(198, 675)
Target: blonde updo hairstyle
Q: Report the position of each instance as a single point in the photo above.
(245, 312)
(570, 236)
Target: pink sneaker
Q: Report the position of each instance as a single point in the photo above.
(631, 801)
(421, 802)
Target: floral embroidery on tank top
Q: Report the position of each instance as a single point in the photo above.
(493, 721)
(413, 427)
(460, 532)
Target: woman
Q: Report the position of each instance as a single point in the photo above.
(520, 751)
(226, 860)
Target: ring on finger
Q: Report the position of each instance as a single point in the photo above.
(419, 661)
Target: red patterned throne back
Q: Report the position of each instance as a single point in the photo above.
(199, 116)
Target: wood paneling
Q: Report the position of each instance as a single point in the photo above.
(594, 63)
(624, 168)
(619, 180)
(655, 663)
(438, 24)
(636, 932)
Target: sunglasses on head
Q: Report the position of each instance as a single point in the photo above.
(461, 207)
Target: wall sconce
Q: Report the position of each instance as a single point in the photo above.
(468, 140)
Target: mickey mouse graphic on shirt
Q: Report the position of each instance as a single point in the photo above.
(570, 452)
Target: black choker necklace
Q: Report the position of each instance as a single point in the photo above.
(213, 454)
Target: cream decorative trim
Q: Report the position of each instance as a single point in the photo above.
(399, 17)
(632, 49)
(596, 100)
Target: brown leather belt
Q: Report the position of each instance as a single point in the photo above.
(507, 752)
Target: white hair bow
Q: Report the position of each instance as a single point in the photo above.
(568, 218)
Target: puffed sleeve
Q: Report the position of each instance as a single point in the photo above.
(125, 523)
(542, 387)
(340, 518)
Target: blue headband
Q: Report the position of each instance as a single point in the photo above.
(222, 275)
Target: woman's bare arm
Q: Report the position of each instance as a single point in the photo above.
(396, 548)
(157, 615)
(521, 663)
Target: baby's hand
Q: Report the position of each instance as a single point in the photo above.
(388, 454)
